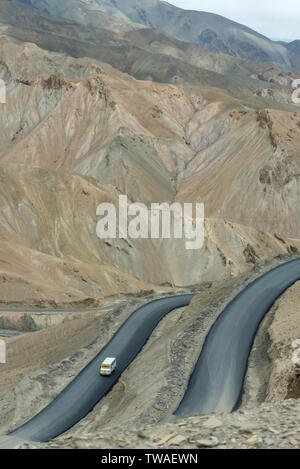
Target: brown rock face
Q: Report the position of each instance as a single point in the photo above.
(284, 347)
(246, 168)
(49, 250)
(76, 132)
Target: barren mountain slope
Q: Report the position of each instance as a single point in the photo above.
(211, 31)
(154, 142)
(147, 54)
(247, 166)
(83, 12)
(157, 41)
(71, 124)
(49, 250)
(94, 126)
(294, 49)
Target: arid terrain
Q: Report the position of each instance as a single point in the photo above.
(58, 161)
(138, 413)
(107, 99)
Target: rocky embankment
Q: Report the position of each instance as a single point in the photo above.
(273, 425)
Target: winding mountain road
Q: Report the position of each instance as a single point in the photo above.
(86, 390)
(217, 381)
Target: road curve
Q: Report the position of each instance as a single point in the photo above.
(217, 381)
(83, 393)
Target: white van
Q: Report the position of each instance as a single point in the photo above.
(108, 366)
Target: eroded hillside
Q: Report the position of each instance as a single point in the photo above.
(211, 31)
(77, 132)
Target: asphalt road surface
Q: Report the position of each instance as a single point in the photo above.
(217, 381)
(86, 390)
(9, 334)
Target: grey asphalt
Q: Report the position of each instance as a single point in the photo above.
(86, 390)
(217, 381)
(9, 334)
